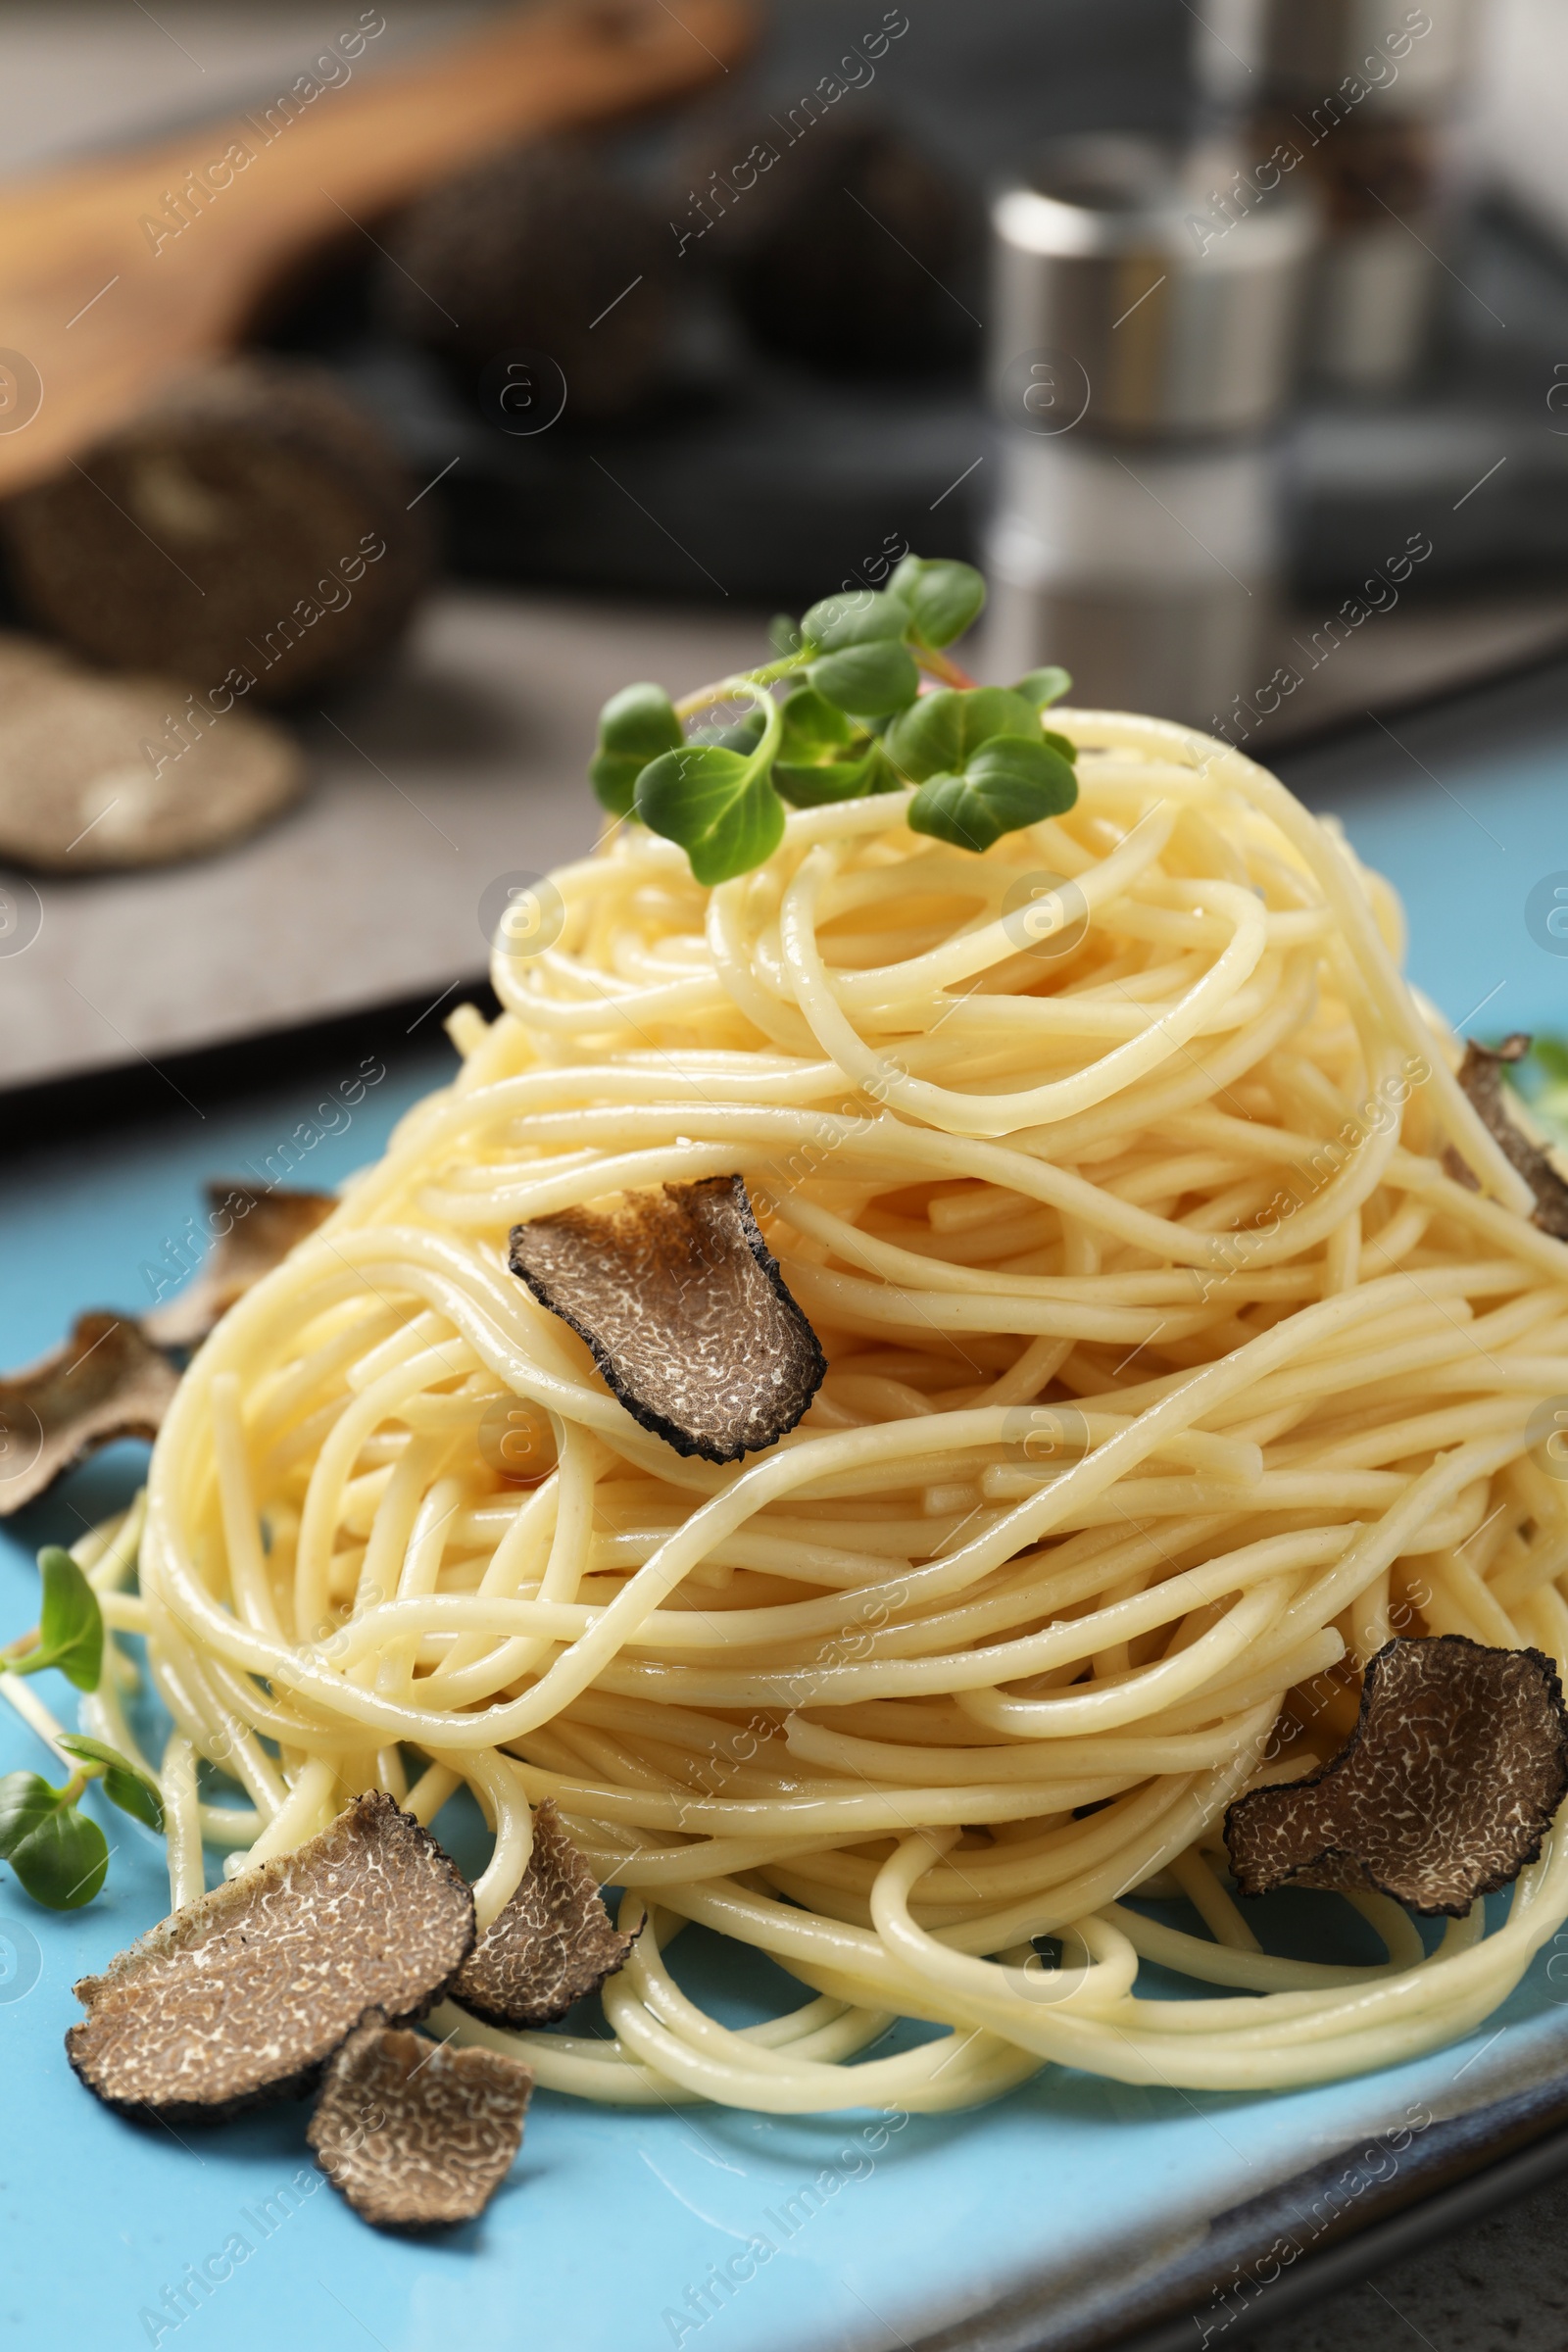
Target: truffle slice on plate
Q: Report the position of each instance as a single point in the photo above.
(414, 2134)
(1506, 1121)
(552, 1943)
(263, 1228)
(1443, 1791)
(685, 1311)
(105, 1383)
(240, 1996)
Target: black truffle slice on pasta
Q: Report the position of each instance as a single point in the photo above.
(262, 1228)
(685, 1311)
(1443, 1791)
(553, 1942)
(416, 2135)
(105, 1383)
(1481, 1076)
(240, 1996)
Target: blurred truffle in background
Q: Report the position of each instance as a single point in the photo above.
(101, 772)
(539, 248)
(248, 533)
(855, 249)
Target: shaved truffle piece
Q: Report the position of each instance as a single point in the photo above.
(104, 773)
(552, 1943)
(686, 1313)
(1481, 1076)
(249, 531)
(239, 1997)
(414, 2133)
(105, 1383)
(263, 1228)
(1443, 1791)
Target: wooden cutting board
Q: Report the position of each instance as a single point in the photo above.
(118, 274)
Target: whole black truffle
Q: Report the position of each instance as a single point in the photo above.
(538, 249)
(847, 245)
(249, 532)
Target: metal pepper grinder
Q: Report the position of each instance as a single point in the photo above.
(1142, 348)
(1363, 98)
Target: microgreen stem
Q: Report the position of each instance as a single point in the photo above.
(20, 1648)
(30, 1708)
(728, 689)
(927, 656)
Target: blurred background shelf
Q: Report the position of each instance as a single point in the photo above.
(660, 544)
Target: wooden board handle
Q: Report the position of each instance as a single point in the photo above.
(119, 275)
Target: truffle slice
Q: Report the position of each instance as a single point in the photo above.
(263, 1228)
(414, 2133)
(240, 1996)
(1481, 1076)
(248, 532)
(552, 1943)
(1443, 1791)
(98, 774)
(685, 1311)
(105, 1383)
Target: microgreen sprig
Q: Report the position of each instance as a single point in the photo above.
(853, 721)
(70, 1632)
(59, 1853)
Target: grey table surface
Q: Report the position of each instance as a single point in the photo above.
(463, 759)
(1501, 2285)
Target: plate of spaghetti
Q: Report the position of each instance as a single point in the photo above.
(935, 1459)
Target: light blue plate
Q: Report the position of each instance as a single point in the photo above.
(615, 2226)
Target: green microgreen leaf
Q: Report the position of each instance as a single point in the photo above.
(1009, 782)
(1043, 686)
(812, 783)
(123, 1785)
(744, 736)
(60, 1855)
(856, 617)
(70, 1625)
(944, 599)
(26, 1802)
(718, 805)
(721, 805)
(944, 730)
(634, 726)
(868, 681)
(784, 635)
(812, 724)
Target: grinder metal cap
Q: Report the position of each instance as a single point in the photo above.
(1145, 290)
(1388, 57)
